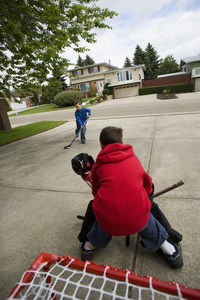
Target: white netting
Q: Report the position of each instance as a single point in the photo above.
(68, 283)
(65, 282)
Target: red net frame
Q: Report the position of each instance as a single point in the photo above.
(46, 260)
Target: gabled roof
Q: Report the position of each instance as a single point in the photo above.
(108, 65)
(132, 67)
(188, 60)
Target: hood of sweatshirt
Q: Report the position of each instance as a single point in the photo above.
(114, 153)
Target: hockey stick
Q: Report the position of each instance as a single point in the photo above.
(171, 187)
(68, 146)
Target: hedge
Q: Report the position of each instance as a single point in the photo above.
(67, 98)
(174, 88)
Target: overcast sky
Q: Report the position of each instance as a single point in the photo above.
(171, 26)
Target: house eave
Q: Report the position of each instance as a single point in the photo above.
(127, 68)
(99, 74)
(124, 83)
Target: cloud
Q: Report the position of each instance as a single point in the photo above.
(171, 26)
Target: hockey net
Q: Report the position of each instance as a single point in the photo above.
(66, 277)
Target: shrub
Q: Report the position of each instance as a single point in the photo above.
(92, 101)
(67, 98)
(106, 92)
(106, 87)
(167, 93)
(174, 88)
(98, 99)
(93, 94)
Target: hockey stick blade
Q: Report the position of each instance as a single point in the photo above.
(80, 217)
(66, 147)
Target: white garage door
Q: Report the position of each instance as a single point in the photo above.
(197, 84)
(126, 91)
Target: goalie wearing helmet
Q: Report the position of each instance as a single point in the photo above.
(123, 203)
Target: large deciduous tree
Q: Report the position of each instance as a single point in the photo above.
(168, 65)
(34, 33)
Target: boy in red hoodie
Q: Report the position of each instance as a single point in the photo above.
(121, 204)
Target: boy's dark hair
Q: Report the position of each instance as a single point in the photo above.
(110, 135)
(77, 102)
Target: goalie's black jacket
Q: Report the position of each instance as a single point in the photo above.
(120, 187)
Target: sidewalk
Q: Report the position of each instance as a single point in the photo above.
(41, 196)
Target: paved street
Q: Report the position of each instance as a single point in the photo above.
(132, 106)
(41, 195)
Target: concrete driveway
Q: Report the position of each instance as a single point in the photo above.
(41, 195)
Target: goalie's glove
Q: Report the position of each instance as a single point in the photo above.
(82, 163)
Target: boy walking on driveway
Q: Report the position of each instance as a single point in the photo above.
(81, 115)
(121, 205)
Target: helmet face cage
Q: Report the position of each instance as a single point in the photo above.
(82, 163)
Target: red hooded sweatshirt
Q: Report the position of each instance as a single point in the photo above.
(120, 187)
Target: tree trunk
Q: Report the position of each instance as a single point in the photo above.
(4, 120)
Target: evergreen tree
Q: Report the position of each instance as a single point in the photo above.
(151, 62)
(139, 56)
(80, 62)
(168, 65)
(127, 63)
(88, 61)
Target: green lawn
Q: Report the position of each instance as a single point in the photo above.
(21, 132)
(39, 109)
(44, 108)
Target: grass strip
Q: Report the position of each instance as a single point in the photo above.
(24, 131)
(44, 108)
(40, 109)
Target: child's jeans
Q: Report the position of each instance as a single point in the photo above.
(83, 131)
(153, 235)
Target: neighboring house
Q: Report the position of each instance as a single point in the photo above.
(190, 72)
(187, 64)
(22, 103)
(123, 82)
(192, 65)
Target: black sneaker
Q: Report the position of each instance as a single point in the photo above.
(175, 260)
(86, 254)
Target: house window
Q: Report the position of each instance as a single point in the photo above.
(93, 70)
(124, 75)
(77, 72)
(83, 87)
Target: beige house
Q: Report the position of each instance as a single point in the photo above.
(124, 82)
